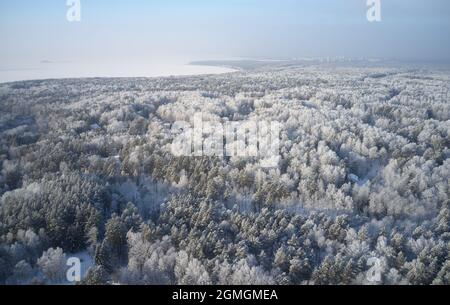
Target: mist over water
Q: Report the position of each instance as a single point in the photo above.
(47, 69)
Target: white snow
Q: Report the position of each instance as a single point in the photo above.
(353, 178)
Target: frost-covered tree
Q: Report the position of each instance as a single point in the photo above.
(52, 263)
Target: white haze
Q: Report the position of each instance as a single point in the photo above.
(47, 69)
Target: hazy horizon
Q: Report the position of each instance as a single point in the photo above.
(175, 31)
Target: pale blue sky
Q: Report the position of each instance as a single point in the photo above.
(36, 30)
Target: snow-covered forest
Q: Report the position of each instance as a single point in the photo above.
(86, 167)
